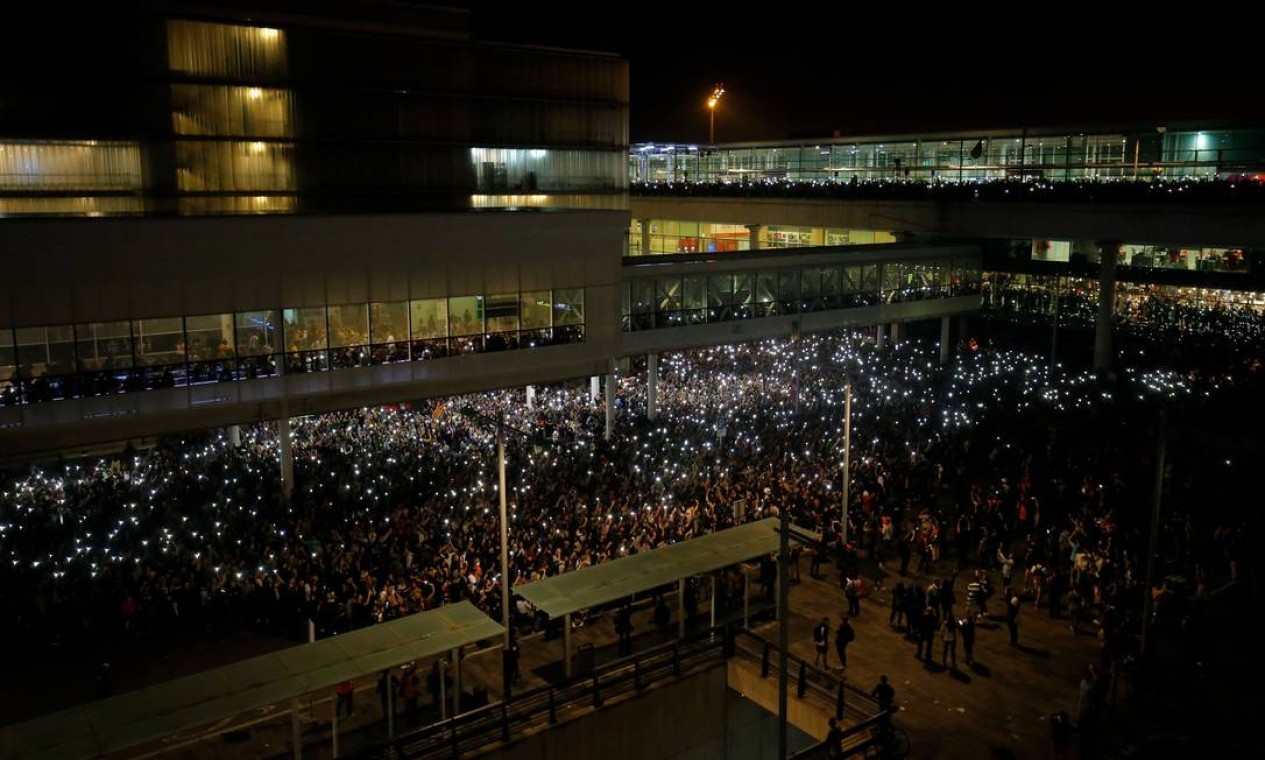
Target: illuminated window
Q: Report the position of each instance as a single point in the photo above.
(220, 50)
(231, 111)
(87, 165)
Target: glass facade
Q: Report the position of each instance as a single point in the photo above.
(313, 115)
(48, 363)
(670, 236)
(651, 303)
(1141, 154)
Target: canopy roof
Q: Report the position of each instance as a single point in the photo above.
(124, 721)
(598, 584)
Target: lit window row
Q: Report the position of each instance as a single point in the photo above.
(67, 361)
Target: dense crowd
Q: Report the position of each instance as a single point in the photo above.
(395, 510)
(1118, 190)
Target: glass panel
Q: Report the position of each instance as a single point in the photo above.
(892, 273)
(348, 325)
(67, 165)
(766, 293)
(104, 346)
(788, 290)
(428, 320)
(642, 304)
(258, 342)
(230, 111)
(568, 306)
(744, 295)
(695, 299)
(535, 309)
(210, 337)
(306, 338)
(851, 279)
(160, 341)
(466, 315)
(720, 297)
(46, 355)
(196, 48)
(501, 310)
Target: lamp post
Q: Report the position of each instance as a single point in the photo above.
(717, 91)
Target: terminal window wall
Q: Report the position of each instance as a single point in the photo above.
(107, 357)
(222, 51)
(30, 170)
(1190, 259)
(673, 301)
(547, 170)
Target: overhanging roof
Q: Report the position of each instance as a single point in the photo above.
(114, 724)
(597, 584)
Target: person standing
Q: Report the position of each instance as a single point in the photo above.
(1075, 606)
(834, 740)
(844, 637)
(1012, 616)
(966, 626)
(898, 606)
(821, 642)
(884, 694)
(949, 640)
(927, 626)
(852, 592)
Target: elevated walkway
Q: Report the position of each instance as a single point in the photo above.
(1191, 225)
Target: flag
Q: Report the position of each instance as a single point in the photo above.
(978, 150)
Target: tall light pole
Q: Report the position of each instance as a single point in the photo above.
(712, 101)
(505, 563)
(847, 452)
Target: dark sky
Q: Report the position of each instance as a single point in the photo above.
(793, 70)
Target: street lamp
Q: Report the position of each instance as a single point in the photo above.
(717, 91)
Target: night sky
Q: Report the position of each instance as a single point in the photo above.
(796, 71)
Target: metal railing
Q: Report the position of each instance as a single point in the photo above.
(549, 705)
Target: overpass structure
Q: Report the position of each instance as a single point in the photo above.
(100, 376)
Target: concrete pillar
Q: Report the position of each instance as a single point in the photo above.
(897, 333)
(334, 723)
(235, 436)
(753, 236)
(652, 386)
(566, 645)
(287, 459)
(944, 341)
(456, 682)
(746, 597)
(680, 608)
(1103, 350)
(645, 237)
(610, 405)
(531, 397)
(712, 584)
(296, 733)
(594, 388)
(443, 692)
(880, 336)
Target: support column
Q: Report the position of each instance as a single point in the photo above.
(456, 682)
(746, 597)
(645, 237)
(944, 341)
(964, 326)
(652, 386)
(712, 579)
(287, 459)
(566, 645)
(680, 608)
(235, 436)
(334, 723)
(610, 403)
(595, 388)
(443, 692)
(1103, 349)
(753, 236)
(390, 704)
(897, 333)
(880, 336)
(531, 397)
(296, 733)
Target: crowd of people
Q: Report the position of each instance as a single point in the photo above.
(1213, 191)
(394, 510)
